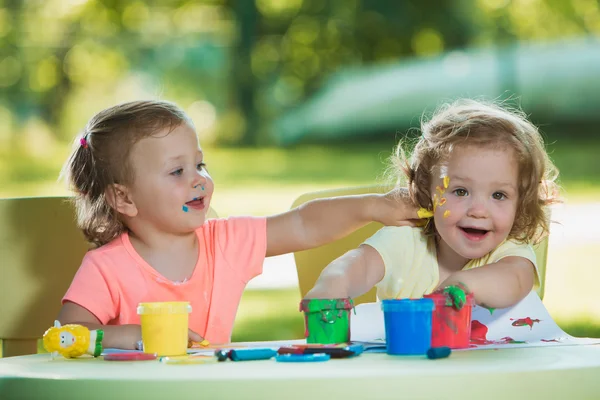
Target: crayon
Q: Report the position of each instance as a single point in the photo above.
(188, 360)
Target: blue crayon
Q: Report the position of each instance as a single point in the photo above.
(438, 352)
(245, 354)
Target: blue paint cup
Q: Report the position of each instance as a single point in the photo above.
(407, 325)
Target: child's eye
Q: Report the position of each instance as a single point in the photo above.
(499, 196)
(177, 172)
(460, 192)
(201, 165)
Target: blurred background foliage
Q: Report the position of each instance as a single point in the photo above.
(240, 67)
(233, 65)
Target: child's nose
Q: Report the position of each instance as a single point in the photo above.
(478, 208)
(199, 180)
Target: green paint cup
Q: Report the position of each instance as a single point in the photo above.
(327, 321)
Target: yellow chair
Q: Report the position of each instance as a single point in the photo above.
(41, 248)
(310, 263)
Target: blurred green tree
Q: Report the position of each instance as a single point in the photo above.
(234, 65)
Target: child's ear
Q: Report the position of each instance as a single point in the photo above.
(119, 199)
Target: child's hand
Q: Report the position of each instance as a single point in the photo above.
(193, 337)
(395, 209)
(456, 295)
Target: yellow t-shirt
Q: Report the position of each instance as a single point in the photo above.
(410, 258)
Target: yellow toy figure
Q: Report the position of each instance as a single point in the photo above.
(73, 340)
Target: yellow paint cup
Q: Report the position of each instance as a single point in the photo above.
(165, 327)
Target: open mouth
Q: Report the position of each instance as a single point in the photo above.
(196, 203)
(474, 233)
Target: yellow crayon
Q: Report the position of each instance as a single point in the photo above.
(188, 360)
(203, 343)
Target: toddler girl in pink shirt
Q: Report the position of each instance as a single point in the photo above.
(142, 193)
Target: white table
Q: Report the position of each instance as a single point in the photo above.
(561, 372)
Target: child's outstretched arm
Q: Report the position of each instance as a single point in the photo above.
(321, 221)
(350, 275)
(498, 285)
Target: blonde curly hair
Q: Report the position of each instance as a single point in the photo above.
(471, 122)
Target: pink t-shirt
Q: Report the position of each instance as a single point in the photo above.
(113, 279)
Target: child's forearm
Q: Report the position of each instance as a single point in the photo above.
(326, 220)
(332, 284)
(350, 275)
(117, 336)
(322, 221)
(494, 285)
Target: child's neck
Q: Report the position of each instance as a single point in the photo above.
(448, 260)
(161, 241)
(173, 256)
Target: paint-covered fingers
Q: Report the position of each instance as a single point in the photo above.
(456, 295)
(395, 208)
(423, 213)
(194, 338)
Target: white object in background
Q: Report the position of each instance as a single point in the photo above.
(366, 323)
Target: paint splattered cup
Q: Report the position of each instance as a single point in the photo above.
(450, 327)
(327, 321)
(165, 327)
(407, 325)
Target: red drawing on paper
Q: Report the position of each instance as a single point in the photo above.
(479, 336)
(550, 340)
(479, 333)
(525, 321)
(509, 340)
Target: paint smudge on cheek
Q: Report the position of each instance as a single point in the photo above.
(185, 208)
(439, 201)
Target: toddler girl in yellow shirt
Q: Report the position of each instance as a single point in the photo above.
(482, 174)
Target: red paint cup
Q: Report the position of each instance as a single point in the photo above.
(449, 327)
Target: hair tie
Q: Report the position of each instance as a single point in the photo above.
(83, 142)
